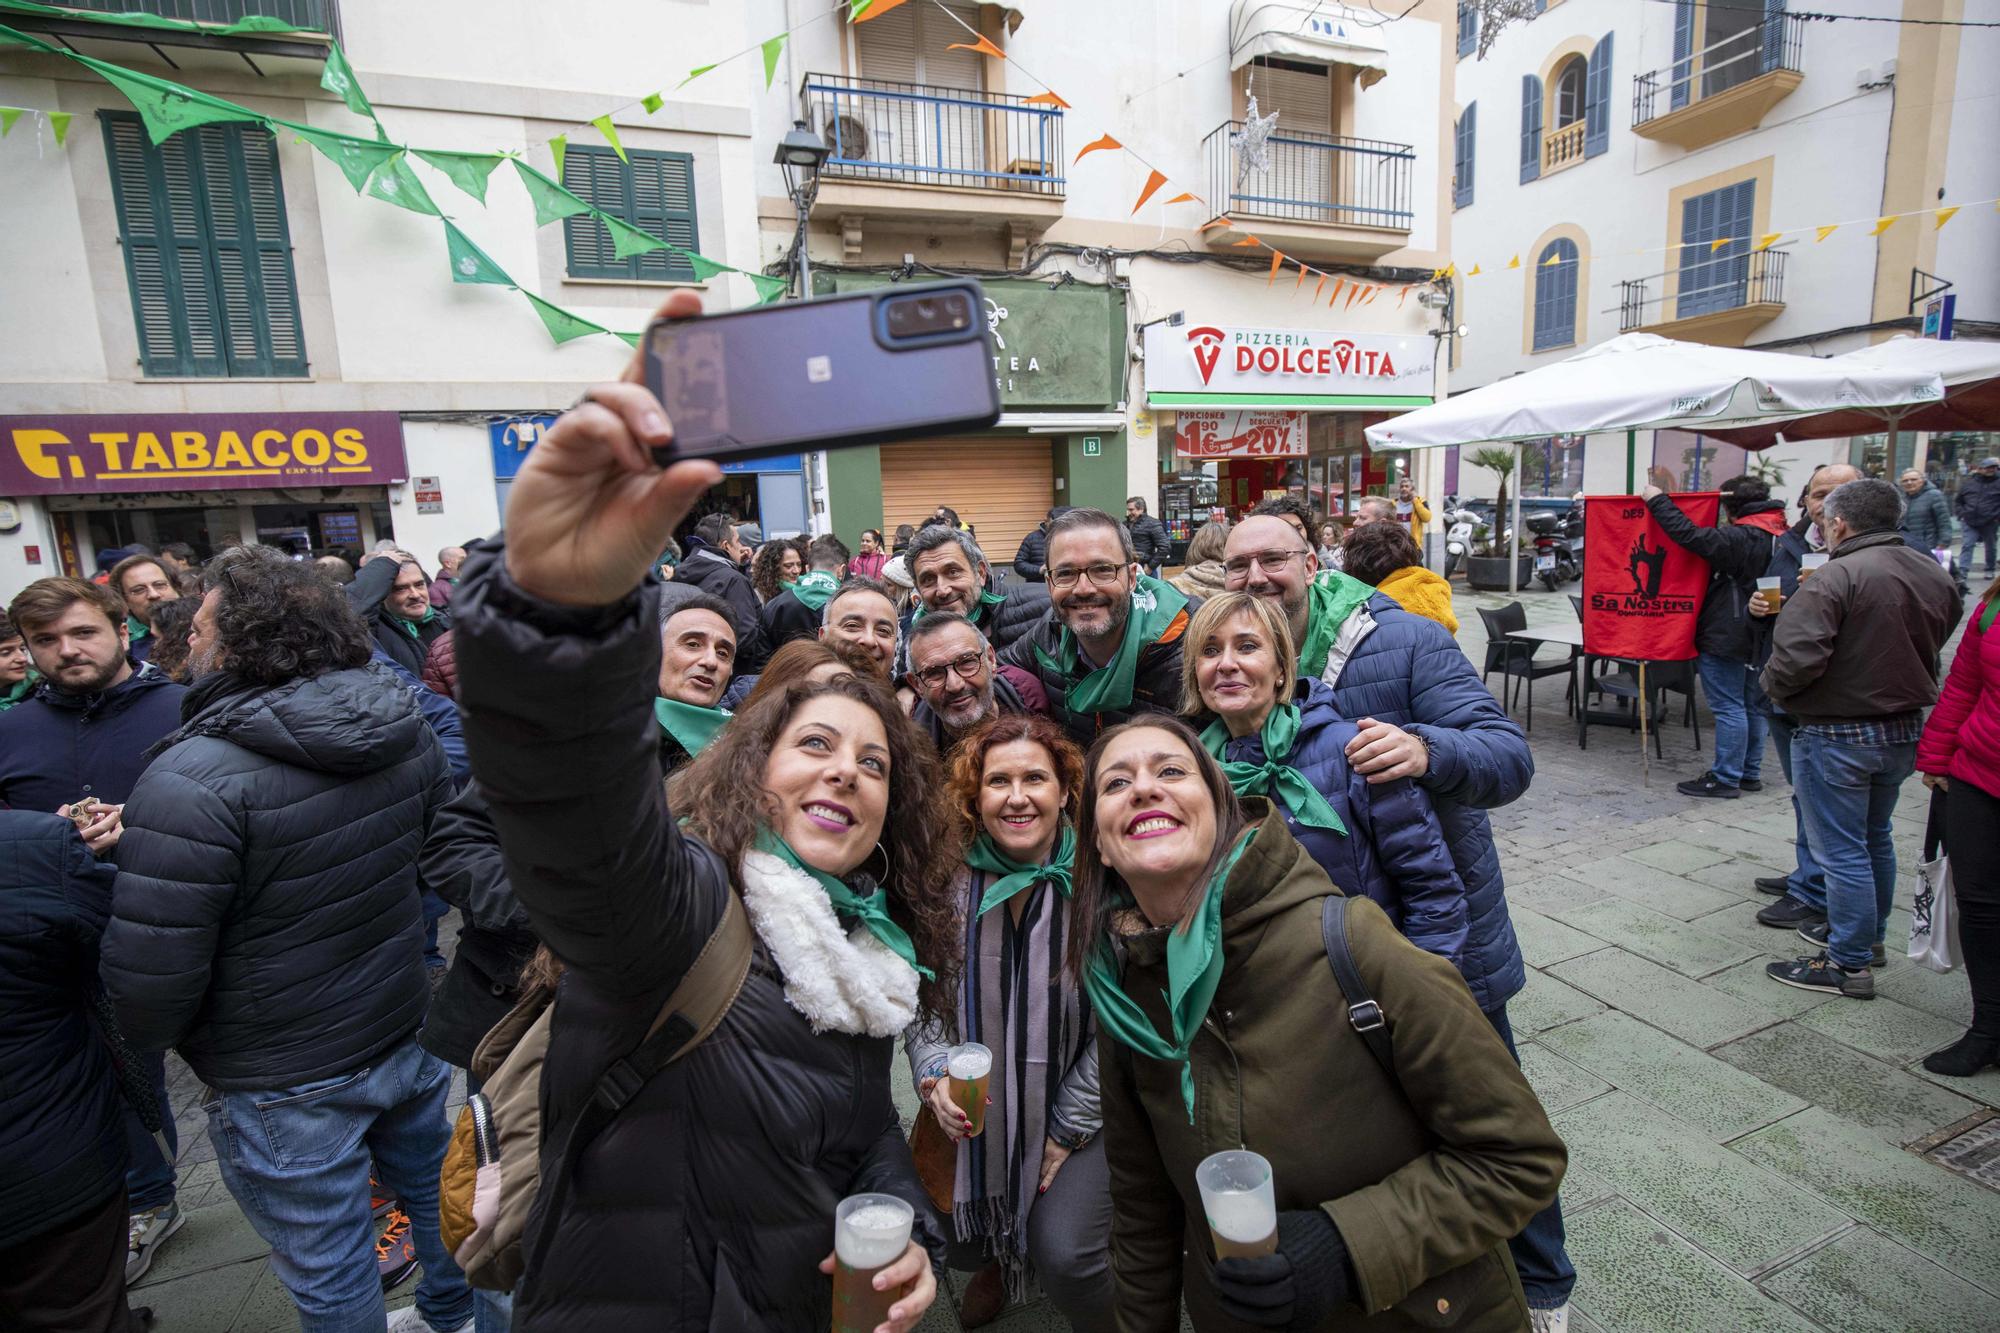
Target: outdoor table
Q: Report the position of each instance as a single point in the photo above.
(1571, 637)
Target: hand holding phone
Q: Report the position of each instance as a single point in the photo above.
(590, 508)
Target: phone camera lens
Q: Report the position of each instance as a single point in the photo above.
(926, 311)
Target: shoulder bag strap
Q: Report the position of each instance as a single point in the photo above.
(1362, 1010)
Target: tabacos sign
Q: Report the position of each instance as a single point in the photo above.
(1209, 358)
(84, 455)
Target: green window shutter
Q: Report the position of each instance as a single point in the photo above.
(655, 194)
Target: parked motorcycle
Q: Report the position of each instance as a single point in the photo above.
(1461, 523)
(1558, 549)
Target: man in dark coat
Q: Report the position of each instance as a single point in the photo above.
(1149, 536)
(1979, 510)
(267, 925)
(63, 1216)
(1032, 557)
(1738, 553)
(393, 594)
(1927, 522)
(795, 613)
(951, 574)
(959, 682)
(714, 552)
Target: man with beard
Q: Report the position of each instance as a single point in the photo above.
(1109, 647)
(950, 574)
(860, 613)
(393, 595)
(794, 613)
(959, 683)
(144, 583)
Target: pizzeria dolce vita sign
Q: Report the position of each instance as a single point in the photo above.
(91, 455)
(1208, 365)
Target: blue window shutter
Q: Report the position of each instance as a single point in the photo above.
(1683, 77)
(1597, 100)
(1714, 278)
(1774, 36)
(1464, 141)
(1531, 128)
(1555, 295)
(1468, 27)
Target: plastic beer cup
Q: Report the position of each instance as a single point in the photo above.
(870, 1232)
(1769, 593)
(1242, 1211)
(969, 1067)
(1808, 564)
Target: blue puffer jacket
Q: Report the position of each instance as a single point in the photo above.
(1394, 851)
(1395, 667)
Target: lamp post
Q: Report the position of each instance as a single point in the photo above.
(801, 153)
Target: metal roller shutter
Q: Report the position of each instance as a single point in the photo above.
(1002, 487)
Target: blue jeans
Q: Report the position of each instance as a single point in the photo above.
(149, 1178)
(1848, 793)
(1547, 1276)
(1739, 728)
(1990, 535)
(296, 1159)
(1807, 882)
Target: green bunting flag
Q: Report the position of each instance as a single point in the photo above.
(771, 50)
(166, 107)
(557, 147)
(652, 102)
(562, 325)
(468, 171)
(633, 339)
(856, 8)
(768, 288)
(358, 159)
(338, 79)
(610, 133)
(8, 115)
(693, 74)
(394, 183)
(59, 122)
(626, 239)
(704, 267)
(469, 263)
(552, 202)
(254, 24)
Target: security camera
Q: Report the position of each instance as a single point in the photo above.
(1432, 299)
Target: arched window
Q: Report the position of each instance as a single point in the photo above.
(1570, 92)
(1555, 295)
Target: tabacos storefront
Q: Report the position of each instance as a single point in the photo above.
(1250, 413)
(306, 481)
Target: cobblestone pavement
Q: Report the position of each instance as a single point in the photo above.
(1739, 1150)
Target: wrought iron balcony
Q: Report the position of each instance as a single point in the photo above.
(920, 134)
(1724, 88)
(1717, 298)
(1321, 178)
(314, 15)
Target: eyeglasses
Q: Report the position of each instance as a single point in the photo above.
(965, 666)
(1272, 561)
(1103, 575)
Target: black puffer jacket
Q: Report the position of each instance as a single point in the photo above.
(267, 922)
(1003, 625)
(1150, 541)
(708, 1203)
(1738, 553)
(1156, 682)
(461, 864)
(62, 1125)
(1978, 503)
(1033, 555)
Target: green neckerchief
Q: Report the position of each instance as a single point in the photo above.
(1329, 602)
(691, 725)
(873, 910)
(1018, 875)
(1101, 689)
(1274, 777)
(987, 600)
(815, 590)
(20, 690)
(1194, 968)
(135, 628)
(413, 627)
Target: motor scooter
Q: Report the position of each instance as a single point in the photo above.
(1460, 524)
(1557, 560)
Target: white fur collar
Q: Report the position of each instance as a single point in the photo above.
(849, 982)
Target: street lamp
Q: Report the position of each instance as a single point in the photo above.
(801, 154)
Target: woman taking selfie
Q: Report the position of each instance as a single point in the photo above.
(1396, 1183)
(1280, 737)
(704, 1197)
(1029, 1197)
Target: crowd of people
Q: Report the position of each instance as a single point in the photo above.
(1205, 863)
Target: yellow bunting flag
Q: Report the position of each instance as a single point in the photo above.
(1451, 270)
(1153, 183)
(1515, 262)
(1106, 142)
(1184, 198)
(1213, 223)
(982, 46)
(1246, 241)
(1882, 225)
(1436, 273)
(1048, 99)
(1766, 242)
(1825, 232)
(1713, 245)
(610, 133)
(1277, 258)
(1556, 258)
(1944, 215)
(1473, 272)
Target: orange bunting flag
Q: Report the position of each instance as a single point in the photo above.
(1945, 215)
(1277, 258)
(1401, 297)
(1317, 290)
(1352, 292)
(1184, 198)
(1106, 142)
(1882, 225)
(1825, 232)
(1211, 224)
(982, 46)
(874, 10)
(1369, 299)
(1048, 99)
(1338, 283)
(1153, 183)
(1300, 281)
(1766, 242)
(1246, 241)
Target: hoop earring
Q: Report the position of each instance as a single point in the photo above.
(883, 878)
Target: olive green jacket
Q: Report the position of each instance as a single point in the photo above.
(1425, 1180)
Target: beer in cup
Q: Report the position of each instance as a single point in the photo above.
(1242, 1211)
(870, 1232)
(1769, 595)
(969, 1067)
(1809, 563)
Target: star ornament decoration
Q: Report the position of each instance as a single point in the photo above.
(1253, 142)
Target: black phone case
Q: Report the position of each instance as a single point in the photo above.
(819, 374)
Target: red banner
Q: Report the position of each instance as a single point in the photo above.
(1641, 592)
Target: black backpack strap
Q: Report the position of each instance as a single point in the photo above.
(1362, 1010)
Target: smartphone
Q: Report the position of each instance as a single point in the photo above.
(865, 368)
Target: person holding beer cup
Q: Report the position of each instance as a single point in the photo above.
(1030, 1200)
(1395, 1182)
(706, 1198)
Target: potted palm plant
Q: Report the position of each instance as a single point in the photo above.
(1486, 567)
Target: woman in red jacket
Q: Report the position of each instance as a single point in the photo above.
(1959, 754)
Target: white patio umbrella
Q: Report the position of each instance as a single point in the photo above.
(1970, 371)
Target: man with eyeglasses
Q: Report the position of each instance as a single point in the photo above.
(950, 574)
(959, 683)
(1109, 648)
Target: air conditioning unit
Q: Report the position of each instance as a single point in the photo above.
(849, 138)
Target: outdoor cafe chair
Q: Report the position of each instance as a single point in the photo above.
(1516, 658)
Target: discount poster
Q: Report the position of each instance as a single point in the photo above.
(1641, 591)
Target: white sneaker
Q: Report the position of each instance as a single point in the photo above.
(410, 1319)
(1550, 1321)
(144, 1233)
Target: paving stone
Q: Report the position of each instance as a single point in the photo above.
(1737, 877)
(1545, 940)
(1664, 998)
(1945, 994)
(1652, 887)
(200, 1302)
(1718, 1099)
(1739, 922)
(1741, 1215)
(1808, 1064)
(268, 1307)
(1747, 843)
(1982, 1087)
(210, 1238)
(1686, 949)
(1899, 1194)
(1863, 1282)
(1635, 1277)
(1582, 1187)
(1556, 1081)
(1748, 981)
(1544, 1002)
(1677, 856)
(1579, 1322)
(1895, 1032)
(1551, 892)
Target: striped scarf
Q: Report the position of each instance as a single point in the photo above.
(1014, 1001)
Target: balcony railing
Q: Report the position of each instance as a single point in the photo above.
(1766, 46)
(1563, 146)
(1315, 178)
(1719, 282)
(918, 134)
(314, 15)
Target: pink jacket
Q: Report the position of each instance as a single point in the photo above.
(1962, 738)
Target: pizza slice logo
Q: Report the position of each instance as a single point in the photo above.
(1206, 344)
